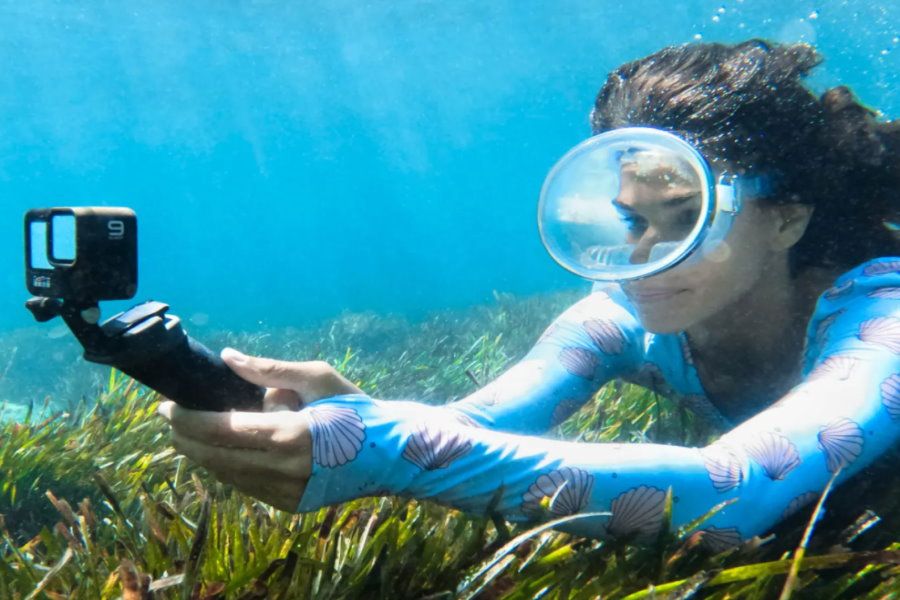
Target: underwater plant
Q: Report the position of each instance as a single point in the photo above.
(96, 505)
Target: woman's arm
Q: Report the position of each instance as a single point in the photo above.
(595, 340)
(843, 416)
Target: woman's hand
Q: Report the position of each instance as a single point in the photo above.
(263, 454)
(291, 385)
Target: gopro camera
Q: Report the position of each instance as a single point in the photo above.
(77, 256)
(103, 239)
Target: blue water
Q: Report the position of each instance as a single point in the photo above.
(289, 161)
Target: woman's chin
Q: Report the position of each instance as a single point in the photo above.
(656, 321)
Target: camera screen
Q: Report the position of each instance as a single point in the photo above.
(38, 245)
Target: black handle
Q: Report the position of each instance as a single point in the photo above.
(152, 347)
(195, 377)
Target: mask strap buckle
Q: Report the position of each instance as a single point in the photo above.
(728, 199)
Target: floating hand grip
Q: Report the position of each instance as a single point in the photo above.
(152, 347)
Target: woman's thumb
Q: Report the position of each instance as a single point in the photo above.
(265, 371)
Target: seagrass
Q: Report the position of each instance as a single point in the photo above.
(95, 504)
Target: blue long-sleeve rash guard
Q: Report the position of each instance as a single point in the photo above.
(843, 415)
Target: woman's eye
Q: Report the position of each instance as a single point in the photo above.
(688, 217)
(633, 223)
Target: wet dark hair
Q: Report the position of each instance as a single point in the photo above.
(746, 104)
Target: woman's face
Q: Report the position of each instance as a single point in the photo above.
(659, 206)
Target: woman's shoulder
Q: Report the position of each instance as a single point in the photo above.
(861, 304)
(878, 278)
(606, 301)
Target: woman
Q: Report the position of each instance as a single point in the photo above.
(785, 329)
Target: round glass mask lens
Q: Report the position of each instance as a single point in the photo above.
(625, 204)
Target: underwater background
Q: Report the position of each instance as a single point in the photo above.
(296, 162)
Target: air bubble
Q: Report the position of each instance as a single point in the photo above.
(896, 40)
(799, 30)
(741, 25)
(698, 37)
(814, 15)
(721, 10)
(885, 52)
(715, 19)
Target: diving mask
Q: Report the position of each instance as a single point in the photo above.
(634, 202)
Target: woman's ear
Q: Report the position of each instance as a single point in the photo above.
(791, 221)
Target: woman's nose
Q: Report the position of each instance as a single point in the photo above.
(641, 253)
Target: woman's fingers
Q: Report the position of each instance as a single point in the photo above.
(267, 455)
(239, 429)
(267, 371)
(312, 380)
(281, 399)
(282, 499)
(276, 479)
(283, 493)
(234, 465)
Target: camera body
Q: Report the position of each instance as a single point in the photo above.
(77, 256)
(82, 254)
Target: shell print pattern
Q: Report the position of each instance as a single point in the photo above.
(890, 395)
(776, 454)
(718, 540)
(795, 505)
(337, 434)
(842, 443)
(580, 362)
(639, 511)
(882, 268)
(723, 467)
(432, 448)
(836, 366)
(567, 488)
(606, 335)
(884, 331)
(839, 290)
(890, 293)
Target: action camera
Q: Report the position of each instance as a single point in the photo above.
(76, 257)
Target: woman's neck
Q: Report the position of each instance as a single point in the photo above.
(754, 346)
(754, 324)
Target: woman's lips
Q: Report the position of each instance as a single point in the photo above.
(651, 296)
